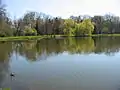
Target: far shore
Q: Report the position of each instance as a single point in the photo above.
(21, 38)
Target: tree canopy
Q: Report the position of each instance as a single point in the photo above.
(35, 23)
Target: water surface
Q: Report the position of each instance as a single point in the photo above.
(61, 64)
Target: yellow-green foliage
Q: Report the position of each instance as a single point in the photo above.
(86, 27)
(69, 27)
(30, 31)
(80, 45)
(73, 28)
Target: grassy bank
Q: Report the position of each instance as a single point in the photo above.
(24, 38)
(93, 35)
(18, 38)
(96, 35)
(47, 36)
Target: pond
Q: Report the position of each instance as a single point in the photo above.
(61, 64)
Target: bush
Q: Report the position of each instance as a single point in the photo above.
(6, 31)
(30, 31)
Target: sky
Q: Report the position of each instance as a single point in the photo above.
(63, 8)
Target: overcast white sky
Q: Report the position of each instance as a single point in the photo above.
(63, 8)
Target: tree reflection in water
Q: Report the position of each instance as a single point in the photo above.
(5, 53)
(41, 50)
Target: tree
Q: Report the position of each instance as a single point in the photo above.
(98, 20)
(5, 22)
(30, 18)
(69, 27)
(19, 27)
(86, 27)
(34, 23)
(39, 25)
(28, 31)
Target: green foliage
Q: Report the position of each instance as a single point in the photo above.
(33, 23)
(30, 31)
(72, 28)
(86, 27)
(105, 29)
(69, 27)
(6, 31)
(78, 30)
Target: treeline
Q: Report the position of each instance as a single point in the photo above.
(34, 23)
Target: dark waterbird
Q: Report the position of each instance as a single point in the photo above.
(12, 75)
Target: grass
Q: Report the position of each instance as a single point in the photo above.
(93, 35)
(96, 35)
(17, 38)
(22, 38)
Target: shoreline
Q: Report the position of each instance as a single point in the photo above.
(22, 38)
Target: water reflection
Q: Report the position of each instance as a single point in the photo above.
(107, 45)
(5, 53)
(34, 50)
(14, 56)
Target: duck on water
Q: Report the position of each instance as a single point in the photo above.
(12, 74)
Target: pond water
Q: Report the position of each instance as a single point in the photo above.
(61, 64)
